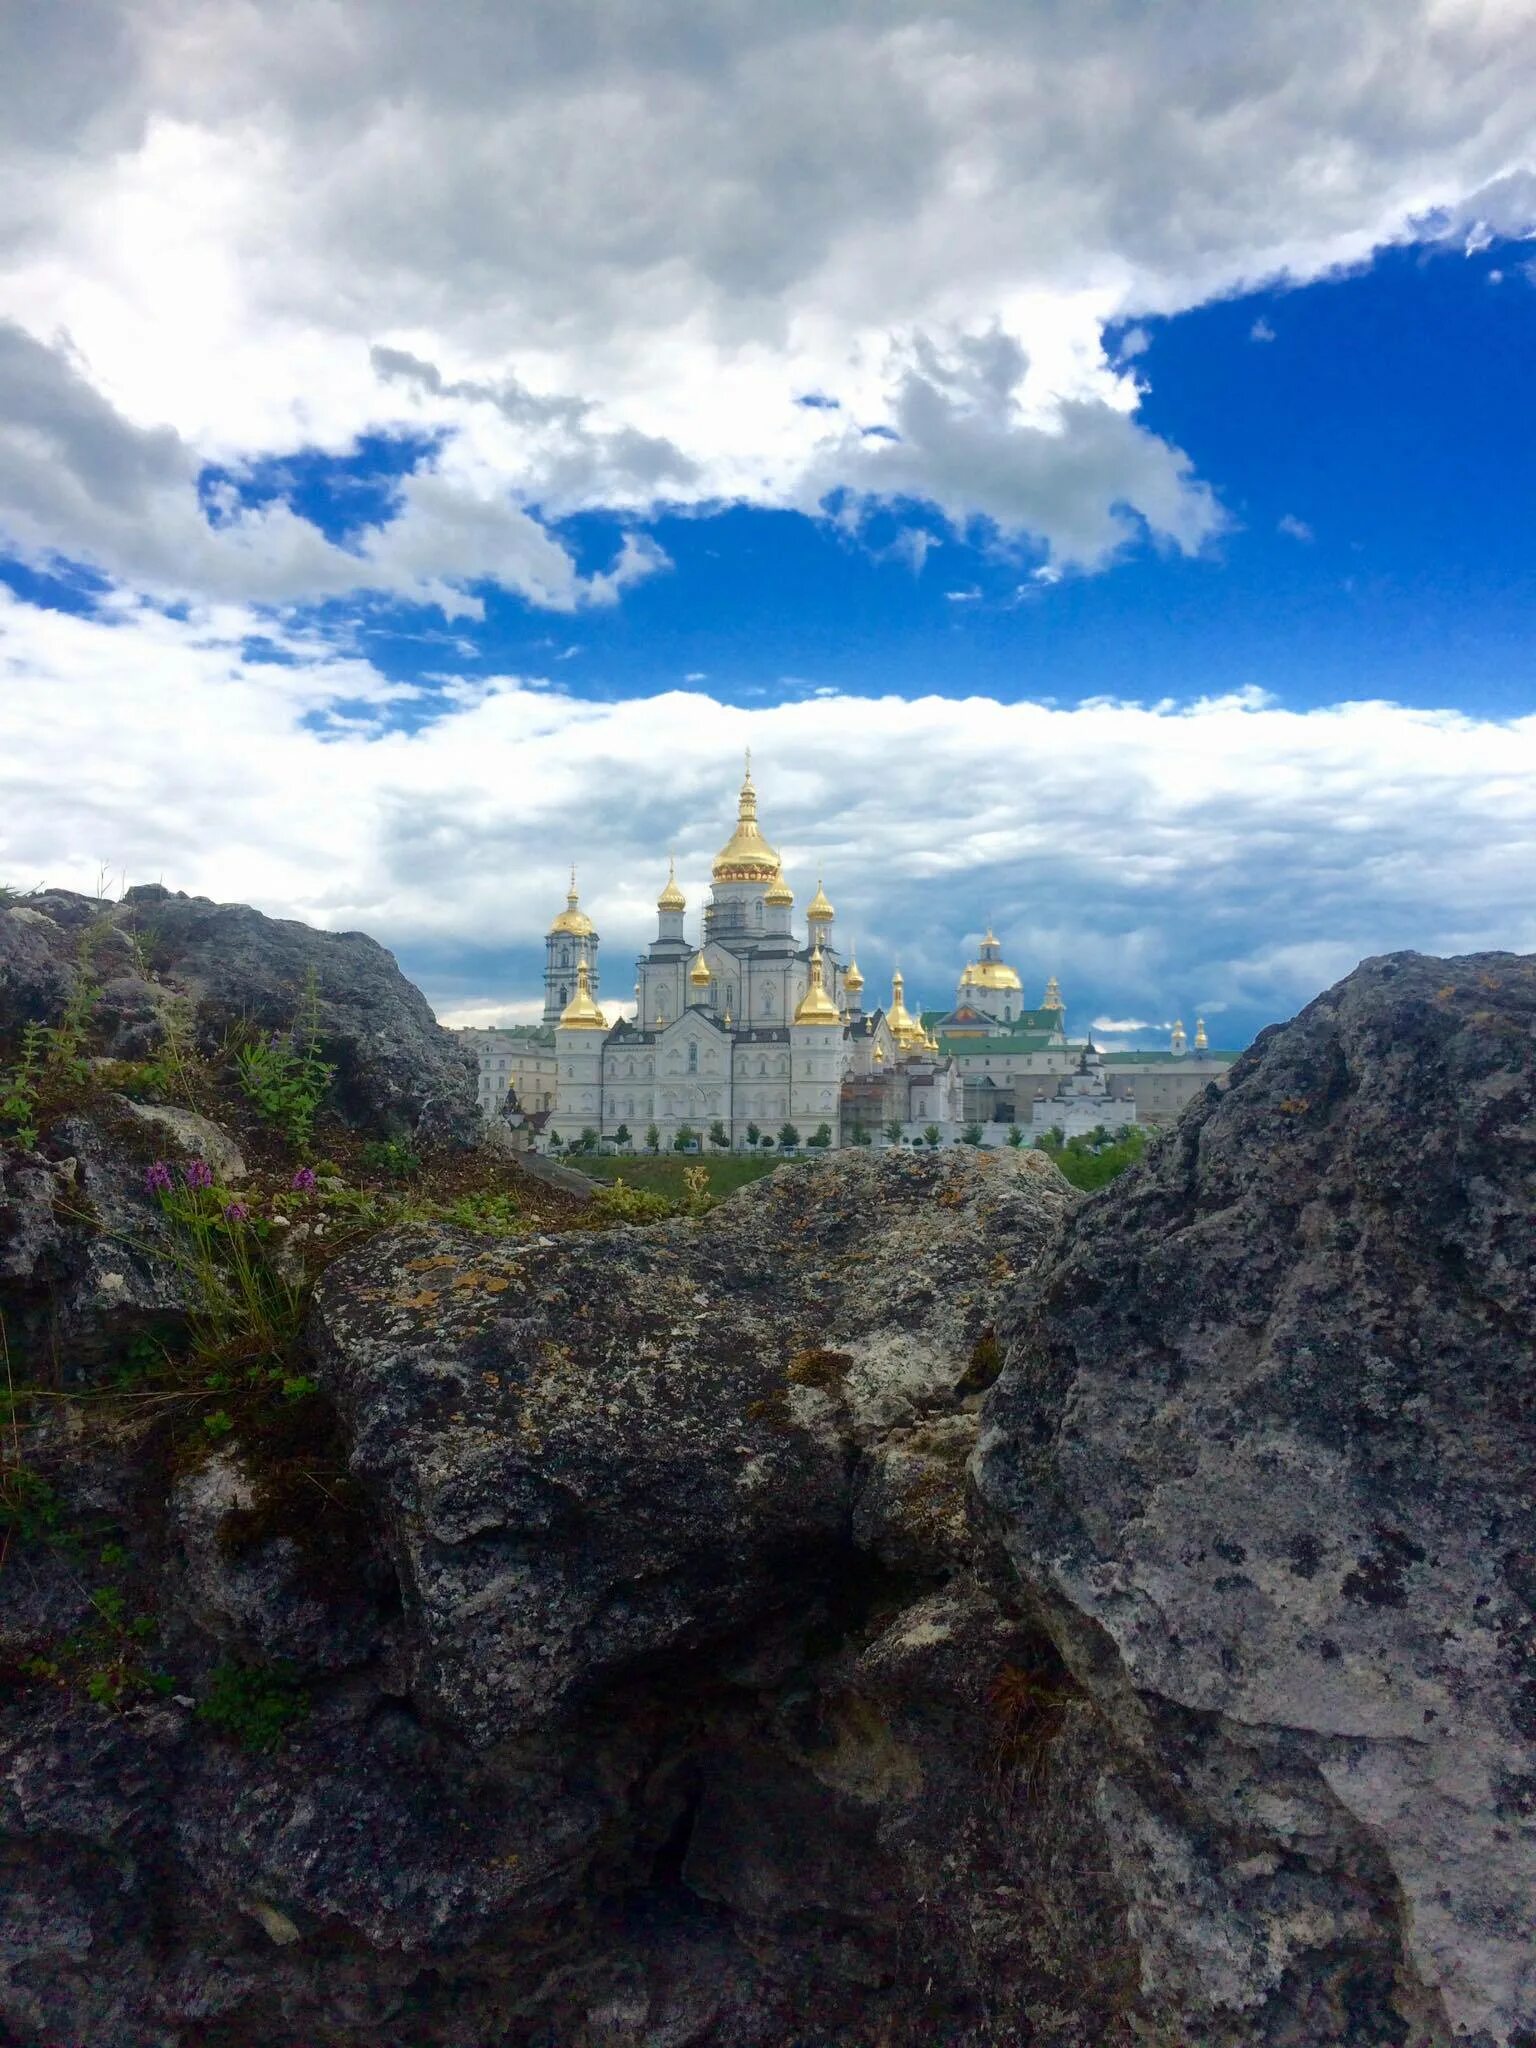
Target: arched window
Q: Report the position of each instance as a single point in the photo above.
(564, 997)
(759, 908)
(693, 1057)
(565, 956)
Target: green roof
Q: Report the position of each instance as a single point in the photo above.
(1019, 1041)
(1153, 1057)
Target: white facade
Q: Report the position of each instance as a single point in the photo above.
(510, 1060)
(1083, 1102)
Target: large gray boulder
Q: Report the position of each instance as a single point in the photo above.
(596, 1452)
(397, 1068)
(1264, 1456)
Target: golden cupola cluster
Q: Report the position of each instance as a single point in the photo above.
(672, 897)
(581, 1013)
(816, 1006)
(573, 918)
(746, 856)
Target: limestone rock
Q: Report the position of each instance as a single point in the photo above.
(396, 1066)
(597, 1451)
(193, 1136)
(1264, 1455)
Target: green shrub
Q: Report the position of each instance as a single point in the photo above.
(258, 1706)
(390, 1159)
(285, 1076)
(19, 1089)
(617, 1203)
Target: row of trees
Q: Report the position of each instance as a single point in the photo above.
(688, 1139)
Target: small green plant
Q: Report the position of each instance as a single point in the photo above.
(493, 1215)
(258, 1706)
(284, 1075)
(246, 1307)
(622, 1138)
(789, 1138)
(893, 1131)
(971, 1135)
(616, 1203)
(64, 1064)
(931, 1136)
(653, 1137)
(754, 1136)
(390, 1159)
(719, 1135)
(19, 1088)
(696, 1182)
(687, 1137)
(218, 1423)
(821, 1137)
(1015, 1135)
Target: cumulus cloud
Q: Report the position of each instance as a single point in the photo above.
(1261, 330)
(1296, 529)
(1136, 852)
(80, 481)
(606, 253)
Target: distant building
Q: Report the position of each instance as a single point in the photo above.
(746, 1024)
(1084, 1100)
(513, 1057)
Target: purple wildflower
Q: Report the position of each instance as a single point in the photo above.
(157, 1181)
(237, 1212)
(304, 1181)
(197, 1173)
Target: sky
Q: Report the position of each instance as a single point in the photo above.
(1086, 453)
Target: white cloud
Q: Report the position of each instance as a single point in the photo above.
(1134, 342)
(1136, 852)
(1261, 330)
(1298, 529)
(605, 250)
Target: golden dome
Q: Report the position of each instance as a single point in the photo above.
(816, 1006)
(1201, 1041)
(671, 898)
(581, 1012)
(699, 973)
(989, 971)
(853, 981)
(904, 1026)
(573, 919)
(879, 1055)
(1053, 995)
(819, 910)
(746, 856)
(781, 894)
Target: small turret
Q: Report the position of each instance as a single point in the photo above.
(1177, 1042)
(700, 983)
(1202, 1043)
(816, 1006)
(581, 1013)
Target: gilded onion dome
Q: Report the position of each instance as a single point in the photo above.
(581, 1012)
(853, 981)
(816, 1006)
(819, 910)
(746, 856)
(781, 894)
(1202, 1043)
(990, 971)
(904, 1026)
(699, 973)
(671, 898)
(573, 918)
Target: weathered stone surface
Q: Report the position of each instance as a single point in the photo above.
(190, 1136)
(396, 1066)
(85, 1258)
(593, 1453)
(1265, 1455)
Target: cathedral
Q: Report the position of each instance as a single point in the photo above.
(747, 1024)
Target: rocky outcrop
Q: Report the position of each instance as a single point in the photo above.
(634, 1643)
(1265, 1457)
(238, 970)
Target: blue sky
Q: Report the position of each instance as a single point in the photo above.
(1116, 526)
